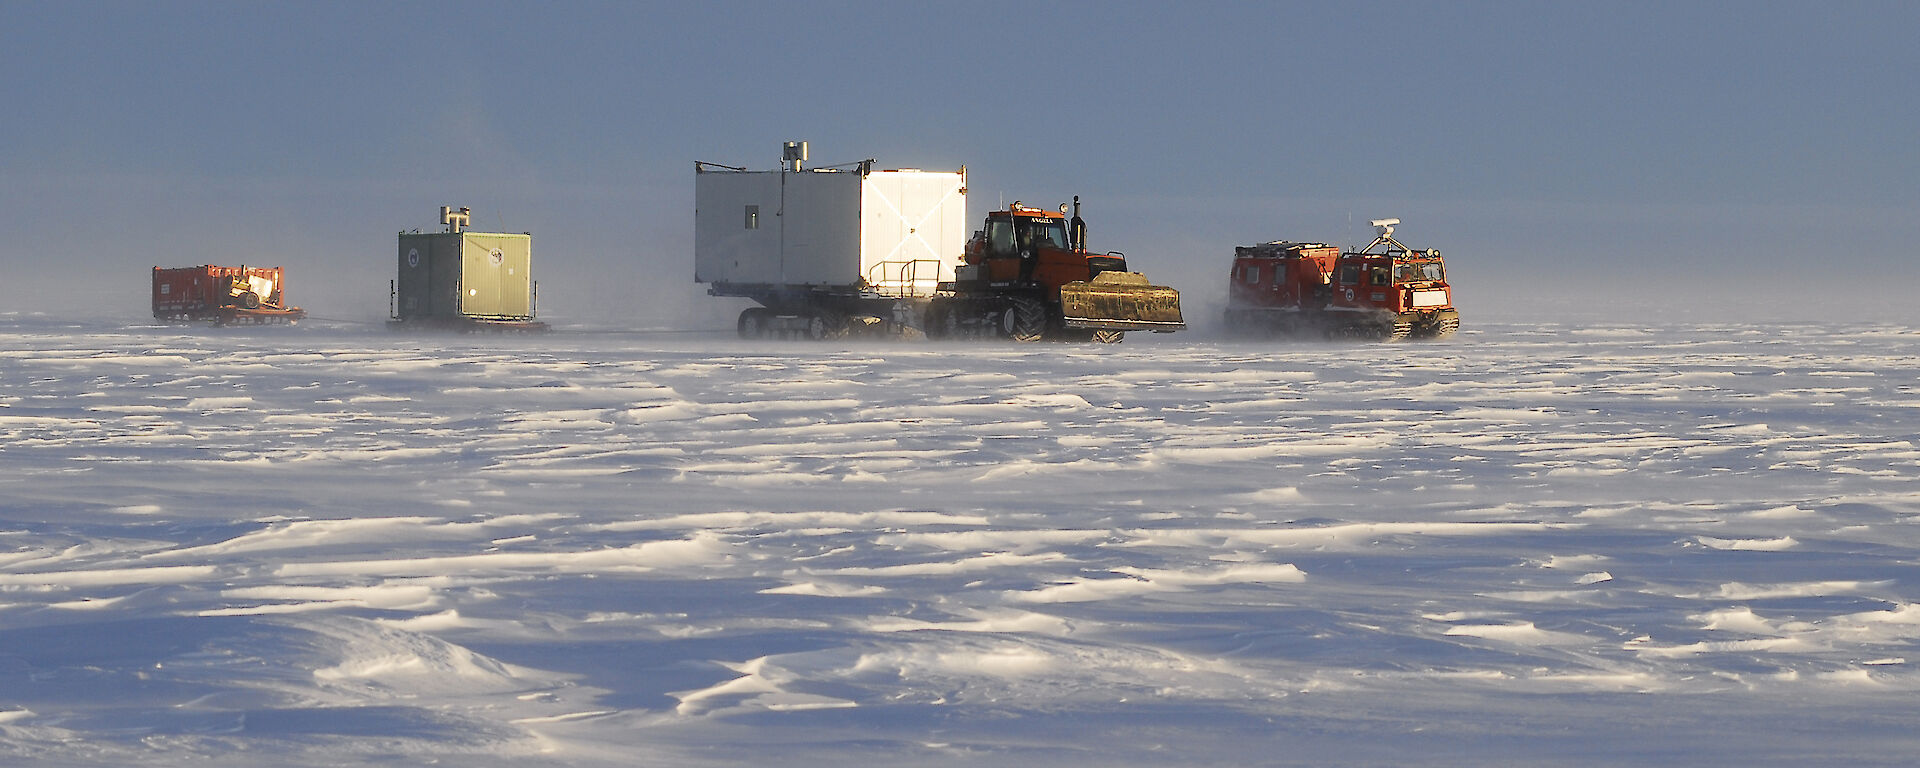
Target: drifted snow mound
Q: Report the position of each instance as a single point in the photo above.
(972, 669)
(322, 688)
(372, 659)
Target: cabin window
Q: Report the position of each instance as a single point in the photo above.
(1349, 274)
(1253, 274)
(1418, 272)
(1000, 238)
(753, 217)
(1035, 233)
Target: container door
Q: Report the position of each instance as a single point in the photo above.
(516, 276)
(479, 277)
(178, 290)
(443, 268)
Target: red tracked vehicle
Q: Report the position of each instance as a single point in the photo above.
(1314, 290)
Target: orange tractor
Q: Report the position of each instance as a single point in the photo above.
(1312, 289)
(1027, 275)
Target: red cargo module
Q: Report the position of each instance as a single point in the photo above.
(223, 295)
(1279, 288)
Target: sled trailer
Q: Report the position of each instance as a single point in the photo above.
(464, 280)
(222, 295)
(830, 250)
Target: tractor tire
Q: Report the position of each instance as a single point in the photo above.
(1108, 337)
(1026, 320)
(248, 300)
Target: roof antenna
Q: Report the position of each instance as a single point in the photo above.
(1384, 228)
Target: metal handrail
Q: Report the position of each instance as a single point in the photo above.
(906, 280)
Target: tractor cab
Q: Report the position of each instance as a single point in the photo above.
(1021, 230)
(1023, 244)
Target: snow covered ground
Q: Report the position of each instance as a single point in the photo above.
(1531, 544)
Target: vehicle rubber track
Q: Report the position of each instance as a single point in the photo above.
(1441, 329)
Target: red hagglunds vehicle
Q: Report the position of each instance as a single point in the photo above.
(1314, 290)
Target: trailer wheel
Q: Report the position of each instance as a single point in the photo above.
(1026, 320)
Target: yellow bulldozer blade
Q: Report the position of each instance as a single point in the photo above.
(1121, 301)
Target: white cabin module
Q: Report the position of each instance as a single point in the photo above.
(898, 232)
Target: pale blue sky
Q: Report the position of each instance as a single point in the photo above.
(1546, 147)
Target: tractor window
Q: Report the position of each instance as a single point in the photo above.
(1000, 238)
(1042, 232)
